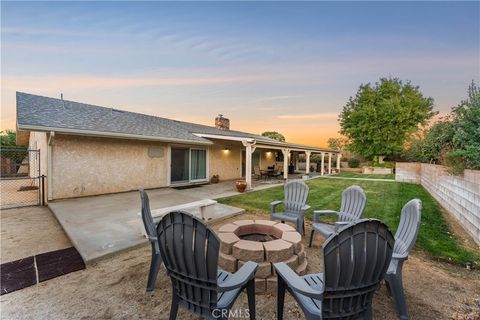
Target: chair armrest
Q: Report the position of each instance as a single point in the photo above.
(305, 208)
(318, 213)
(274, 204)
(341, 224)
(295, 282)
(400, 256)
(239, 278)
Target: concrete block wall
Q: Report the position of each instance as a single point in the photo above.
(459, 195)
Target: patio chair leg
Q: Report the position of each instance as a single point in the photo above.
(154, 267)
(280, 297)
(251, 298)
(174, 306)
(396, 289)
(311, 238)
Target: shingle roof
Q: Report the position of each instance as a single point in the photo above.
(48, 113)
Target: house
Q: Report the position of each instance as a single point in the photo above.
(90, 150)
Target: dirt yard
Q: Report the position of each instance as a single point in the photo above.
(115, 289)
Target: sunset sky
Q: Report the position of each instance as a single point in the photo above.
(288, 67)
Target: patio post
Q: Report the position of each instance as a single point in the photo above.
(248, 163)
(329, 163)
(307, 161)
(286, 154)
(322, 169)
(339, 156)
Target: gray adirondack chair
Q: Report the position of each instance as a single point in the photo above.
(150, 229)
(353, 204)
(355, 262)
(405, 238)
(190, 249)
(295, 198)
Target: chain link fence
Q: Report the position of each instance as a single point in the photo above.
(20, 181)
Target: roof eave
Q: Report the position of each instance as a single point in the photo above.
(104, 134)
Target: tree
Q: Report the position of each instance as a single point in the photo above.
(338, 144)
(8, 138)
(379, 118)
(274, 135)
(466, 137)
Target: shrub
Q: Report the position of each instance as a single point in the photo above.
(353, 163)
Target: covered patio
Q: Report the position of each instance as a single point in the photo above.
(285, 157)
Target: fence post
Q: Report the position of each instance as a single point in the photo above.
(43, 189)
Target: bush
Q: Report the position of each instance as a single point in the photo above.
(353, 163)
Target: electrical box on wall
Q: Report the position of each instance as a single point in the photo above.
(155, 152)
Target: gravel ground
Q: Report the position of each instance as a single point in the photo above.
(115, 289)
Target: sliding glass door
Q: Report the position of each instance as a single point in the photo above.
(188, 165)
(198, 164)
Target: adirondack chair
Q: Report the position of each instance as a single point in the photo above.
(190, 249)
(296, 193)
(353, 204)
(152, 236)
(355, 262)
(405, 237)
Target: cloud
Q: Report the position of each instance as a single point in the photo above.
(309, 116)
(275, 98)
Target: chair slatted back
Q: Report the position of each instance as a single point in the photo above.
(296, 193)
(147, 215)
(189, 250)
(353, 204)
(407, 230)
(355, 261)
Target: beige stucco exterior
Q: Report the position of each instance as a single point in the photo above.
(84, 166)
(38, 141)
(225, 159)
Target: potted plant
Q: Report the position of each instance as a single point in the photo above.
(241, 185)
(215, 178)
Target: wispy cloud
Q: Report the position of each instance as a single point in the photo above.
(309, 116)
(275, 98)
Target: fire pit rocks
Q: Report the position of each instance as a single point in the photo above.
(265, 242)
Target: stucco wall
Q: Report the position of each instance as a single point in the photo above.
(226, 163)
(267, 159)
(88, 166)
(38, 141)
(460, 195)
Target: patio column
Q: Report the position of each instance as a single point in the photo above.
(339, 156)
(286, 154)
(329, 163)
(249, 149)
(307, 161)
(322, 168)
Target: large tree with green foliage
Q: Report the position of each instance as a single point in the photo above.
(380, 117)
(337, 143)
(274, 135)
(8, 138)
(466, 137)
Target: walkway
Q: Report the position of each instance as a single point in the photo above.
(100, 226)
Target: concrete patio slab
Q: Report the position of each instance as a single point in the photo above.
(100, 226)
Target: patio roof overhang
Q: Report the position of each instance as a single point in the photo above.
(286, 148)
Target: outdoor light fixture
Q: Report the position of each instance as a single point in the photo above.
(226, 150)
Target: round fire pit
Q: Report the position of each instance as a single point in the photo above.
(265, 242)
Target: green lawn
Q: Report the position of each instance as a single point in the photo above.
(364, 175)
(384, 201)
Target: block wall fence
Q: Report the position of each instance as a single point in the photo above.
(459, 195)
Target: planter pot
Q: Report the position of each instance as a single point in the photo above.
(241, 185)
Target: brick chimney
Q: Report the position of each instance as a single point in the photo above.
(222, 123)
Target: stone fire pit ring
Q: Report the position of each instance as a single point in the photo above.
(265, 242)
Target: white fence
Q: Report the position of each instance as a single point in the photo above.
(459, 195)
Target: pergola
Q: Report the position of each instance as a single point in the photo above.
(286, 148)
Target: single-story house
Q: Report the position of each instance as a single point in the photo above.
(90, 150)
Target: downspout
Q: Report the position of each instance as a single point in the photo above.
(51, 139)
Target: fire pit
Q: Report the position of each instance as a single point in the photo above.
(265, 242)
